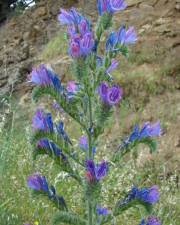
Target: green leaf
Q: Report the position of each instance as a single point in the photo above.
(67, 218)
(124, 205)
(70, 109)
(151, 143)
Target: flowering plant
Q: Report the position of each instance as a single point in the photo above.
(89, 100)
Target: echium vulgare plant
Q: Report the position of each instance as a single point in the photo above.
(89, 99)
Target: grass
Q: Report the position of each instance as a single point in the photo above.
(55, 47)
(17, 205)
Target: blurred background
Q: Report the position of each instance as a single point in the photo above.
(29, 35)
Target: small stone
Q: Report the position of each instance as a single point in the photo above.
(177, 7)
(40, 12)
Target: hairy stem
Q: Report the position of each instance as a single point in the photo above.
(90, 206)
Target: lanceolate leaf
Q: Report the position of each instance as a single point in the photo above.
(128, 147)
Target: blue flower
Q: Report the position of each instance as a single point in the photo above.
(70, 17)
(112, 41)
(121, 37)
(147, 131)
(81, 45)
(94, 172)
(83, 142)
(84, 26)
(113, 65)
(101, 210)
(151, 220)
(40, 76)
(42, 121)
(126, 37)
(62, 133)
(148, 195)
(45, 77)
(110, 6)
(37, 182)
(81, 41)
(44, 143)
(110, 95)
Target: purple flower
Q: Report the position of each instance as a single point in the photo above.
(51, 148)
(86, 43)
(121, 37)
(81, 45)
(84, 26)
(83, 142)
(101, 210)
(150, 130)
(112, 41)
(109, 95)
(114, 64)
(44, 77)
(151, 220)
(37, 182)
(71, 87)
(116, 5)
(147, 131)
(81, 37)
(102, 91)
(69, 17)
(40, 76)
(94, 172)
(114, 95)
(126, 37)
(42, 121)
(74, 49)
(148, 195)
(110, 6)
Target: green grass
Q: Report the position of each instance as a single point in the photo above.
(55, 47)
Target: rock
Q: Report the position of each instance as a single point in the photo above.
(131, 3)
(146, 7)
(177, 7)
(40, 12)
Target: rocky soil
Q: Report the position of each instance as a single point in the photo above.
(154, 67)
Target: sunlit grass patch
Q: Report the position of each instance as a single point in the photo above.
(55, 47)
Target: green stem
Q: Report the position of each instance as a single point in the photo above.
(90, 127)
(90, 213)
(89, 200)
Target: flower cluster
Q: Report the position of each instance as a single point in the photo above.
(120, 38)
(42, 121)
(110, 6)
(148, 195)
(148, 130)
(151, 220)
(37, 182)
(45, 77)
(110, 95)
(94, 172)
(81, 40)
